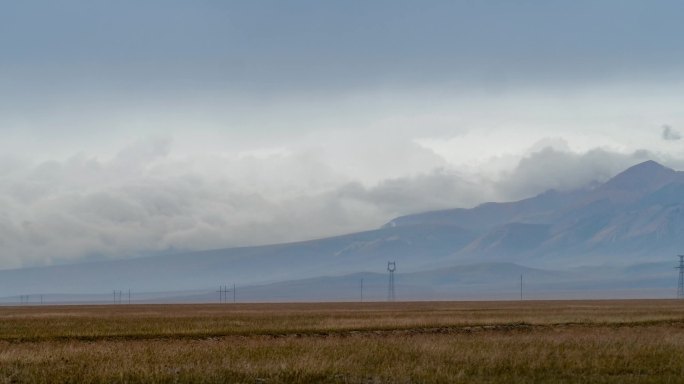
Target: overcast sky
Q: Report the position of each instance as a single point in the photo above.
(131, 127)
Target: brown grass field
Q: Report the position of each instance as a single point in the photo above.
(639, 341)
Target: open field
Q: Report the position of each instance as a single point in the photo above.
(549, 341)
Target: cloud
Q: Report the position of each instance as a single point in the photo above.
(563, 170)
(670, 134)
(267, 46)
(147, 199)
(283, 127)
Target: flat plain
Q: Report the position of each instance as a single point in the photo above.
(622, 341)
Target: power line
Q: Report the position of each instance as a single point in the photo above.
(223, 293)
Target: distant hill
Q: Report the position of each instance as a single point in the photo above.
(628, 224)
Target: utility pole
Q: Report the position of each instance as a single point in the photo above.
(118, 296)
(233, 293)
(362, 289)
(521, 297)
(680, 283)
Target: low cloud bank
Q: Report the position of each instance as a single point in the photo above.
(146, 200)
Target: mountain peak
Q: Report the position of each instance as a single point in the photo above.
(649, 165)
(641, 176)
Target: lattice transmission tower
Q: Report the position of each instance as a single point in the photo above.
(391, 267)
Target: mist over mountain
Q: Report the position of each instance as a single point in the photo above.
(617, 238)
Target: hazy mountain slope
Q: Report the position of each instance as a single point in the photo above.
(537, 209)
(365, 251)
(636, 216)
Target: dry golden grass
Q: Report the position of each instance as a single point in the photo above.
(443, 342)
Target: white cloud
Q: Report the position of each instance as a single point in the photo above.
(550, 168)
(147, 199)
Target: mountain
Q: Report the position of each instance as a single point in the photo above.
(628, 224)
(637, 215)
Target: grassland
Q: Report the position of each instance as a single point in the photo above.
(638, 341)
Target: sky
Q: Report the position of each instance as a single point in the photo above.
(131, 128)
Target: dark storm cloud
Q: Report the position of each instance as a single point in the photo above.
(307, 46)
(670, 134)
